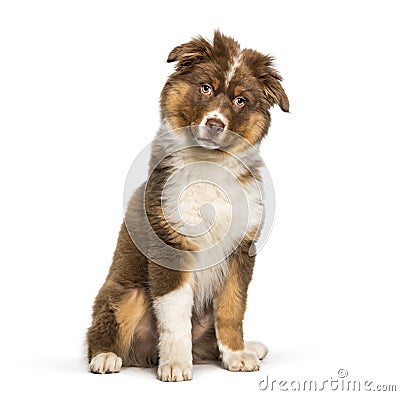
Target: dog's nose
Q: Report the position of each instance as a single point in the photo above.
(215, 126)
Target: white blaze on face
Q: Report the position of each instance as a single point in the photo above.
(235, 63)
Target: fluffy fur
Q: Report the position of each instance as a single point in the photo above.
(149, 315)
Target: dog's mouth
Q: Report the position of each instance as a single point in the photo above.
(207, 143)
(205, 140)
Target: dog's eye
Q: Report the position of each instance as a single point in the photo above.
(206, 89)
(239, 101)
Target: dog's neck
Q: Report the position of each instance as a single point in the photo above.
(178, 146)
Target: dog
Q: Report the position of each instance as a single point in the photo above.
(164, 304)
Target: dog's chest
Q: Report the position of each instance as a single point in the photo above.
(211, 208)
(214, 212)
(207, 283)
(204, 212)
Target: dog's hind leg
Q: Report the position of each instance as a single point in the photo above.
(118, 330)
(122, 308)
(102, 335)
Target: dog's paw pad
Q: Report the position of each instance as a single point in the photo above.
(258, 348)
(105, 363)
(240, 361)
(174, 372)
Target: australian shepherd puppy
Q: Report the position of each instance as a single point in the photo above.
(163, 303)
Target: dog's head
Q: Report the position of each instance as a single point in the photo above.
(217, 87)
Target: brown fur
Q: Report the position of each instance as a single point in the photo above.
(230, 304)
(128, 313)
(200, 62)
(123, 318)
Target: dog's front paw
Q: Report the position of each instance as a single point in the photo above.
(240, 361)
(257, 347)
(105, 363)
(173, 372)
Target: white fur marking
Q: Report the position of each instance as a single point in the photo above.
(244, 360)
(173, 312)
(232, 69)
(207, 282)
(257, 347)
(105, 363)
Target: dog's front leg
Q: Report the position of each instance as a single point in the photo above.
(173, 311)
(229, 309)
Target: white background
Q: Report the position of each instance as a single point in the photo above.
(79, 86)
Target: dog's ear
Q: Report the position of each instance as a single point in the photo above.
(264, 70)
(274, 90)
(190, 53)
